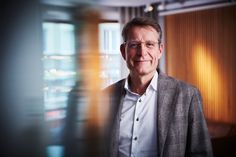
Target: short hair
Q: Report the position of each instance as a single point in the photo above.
(141, 22)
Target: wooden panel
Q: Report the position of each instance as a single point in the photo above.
(201, 49)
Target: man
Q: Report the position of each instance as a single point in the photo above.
(153, 114)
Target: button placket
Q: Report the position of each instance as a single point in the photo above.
(135, 130)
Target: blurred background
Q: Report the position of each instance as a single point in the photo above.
(56, 55)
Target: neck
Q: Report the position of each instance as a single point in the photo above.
(139, 84)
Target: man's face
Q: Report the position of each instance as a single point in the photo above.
(142, 51)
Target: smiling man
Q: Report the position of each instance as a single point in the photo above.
(153, 115)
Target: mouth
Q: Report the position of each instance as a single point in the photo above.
(142, 61)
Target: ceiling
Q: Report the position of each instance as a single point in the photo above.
(114, 3)
(163, 7)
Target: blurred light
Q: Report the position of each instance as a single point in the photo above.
(161, 7)
(57, 89)
(53, 115)
(208, 73)
(59, 73)
(148, 8)
(55, 151)
(57, 57)
(55, 101)
(46, 88)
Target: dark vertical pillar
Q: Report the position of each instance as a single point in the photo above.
(21, 79)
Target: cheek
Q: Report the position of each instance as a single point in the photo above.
(129, 59)
(155, 59)
(130, 55)
(157, 56)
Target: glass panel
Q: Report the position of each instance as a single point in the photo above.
(109, 38)
(59, 74)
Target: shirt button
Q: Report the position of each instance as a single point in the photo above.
(135, 138)
(137, 119)
(140, 100)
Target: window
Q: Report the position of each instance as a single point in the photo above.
(59, 67)
(109, 43)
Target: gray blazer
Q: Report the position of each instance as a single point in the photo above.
(181, 126)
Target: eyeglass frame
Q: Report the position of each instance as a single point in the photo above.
(138, 44)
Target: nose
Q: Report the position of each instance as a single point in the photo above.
(142, 50)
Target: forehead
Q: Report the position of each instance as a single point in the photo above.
(142, 33)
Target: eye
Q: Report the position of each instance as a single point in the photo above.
(150, 44)
(133, 44)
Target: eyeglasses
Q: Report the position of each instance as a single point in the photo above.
(137, 44)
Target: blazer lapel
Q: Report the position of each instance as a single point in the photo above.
(118, 96)
(166, 96)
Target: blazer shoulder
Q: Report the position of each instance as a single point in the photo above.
(115, 86)
(187, 86)
(180, 85)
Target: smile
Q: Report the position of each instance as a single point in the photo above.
(142, 61)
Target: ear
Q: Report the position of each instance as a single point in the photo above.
(161, 47)
(122, 50)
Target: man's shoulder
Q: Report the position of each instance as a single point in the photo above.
(178, 84)
(117, 85)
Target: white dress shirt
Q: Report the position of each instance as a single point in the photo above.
(138, 125)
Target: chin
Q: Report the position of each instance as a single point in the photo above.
(142, 72)
(145, 71)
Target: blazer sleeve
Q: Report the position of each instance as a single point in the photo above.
(198, 140)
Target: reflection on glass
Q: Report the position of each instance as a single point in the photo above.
(109, 34)
(59, 77)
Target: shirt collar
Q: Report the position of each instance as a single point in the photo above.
(152, 85)
(127, 87)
